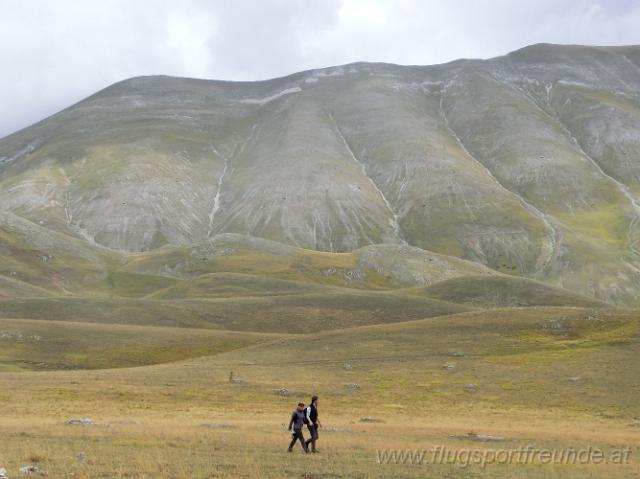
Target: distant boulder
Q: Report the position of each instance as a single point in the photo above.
(80, 422)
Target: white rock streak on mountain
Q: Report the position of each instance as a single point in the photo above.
(216, 198)
(268, 99)
(547, 251)
(393, 222)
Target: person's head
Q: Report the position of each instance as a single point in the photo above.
(314, 400)
(300, 406)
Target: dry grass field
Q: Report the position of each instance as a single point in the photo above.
(548, 378)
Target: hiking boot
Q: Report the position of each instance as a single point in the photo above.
(289, 450)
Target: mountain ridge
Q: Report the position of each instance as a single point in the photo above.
(525, 163)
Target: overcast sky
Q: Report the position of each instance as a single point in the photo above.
(56, 52)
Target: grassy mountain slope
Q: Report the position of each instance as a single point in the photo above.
(522, 163)
(503, 291)
(12, 288)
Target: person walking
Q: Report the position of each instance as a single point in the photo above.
(297, 421)
(313, 423)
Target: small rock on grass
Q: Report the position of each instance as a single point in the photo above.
(472, 436)
(371, 420)
(31, 470)
(3, 473)
(80, 422)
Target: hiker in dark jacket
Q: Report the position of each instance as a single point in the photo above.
(313, 423)
(297, 421)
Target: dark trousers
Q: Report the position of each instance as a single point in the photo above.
(313, 430)
(297, 436)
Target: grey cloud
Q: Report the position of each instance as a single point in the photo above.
(53, 53)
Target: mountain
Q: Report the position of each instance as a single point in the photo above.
(523, 165)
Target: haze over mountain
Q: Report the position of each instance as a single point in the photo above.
(527, 164)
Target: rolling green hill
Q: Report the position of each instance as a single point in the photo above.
(52, 345)
(503, 291)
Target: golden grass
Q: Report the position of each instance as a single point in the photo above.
(185, 419)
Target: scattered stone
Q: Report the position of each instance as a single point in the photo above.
(234, 380)
(221, 425)
(80, 422)
(284, 392)
(560, 327)
(328, 272)
(449, 367)
(472, 436)
(354, 274)
(573, 379)
(46, 258)
(348, 367)
(13, 273)
(371, 420)
(18, 336)
(353, 386)
(470, 388)
(3, 473)
(225, 252)
(458, 354)
(31, 470)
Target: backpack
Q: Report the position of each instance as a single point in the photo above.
(306, 418)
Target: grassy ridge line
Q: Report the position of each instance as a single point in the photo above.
(227, 285)
(503, 291)
(13, 288)
(285, 313)
(253, 267)
(53, 345)
(381, 266)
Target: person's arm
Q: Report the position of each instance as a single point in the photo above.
(292, 419)
(309, 416)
